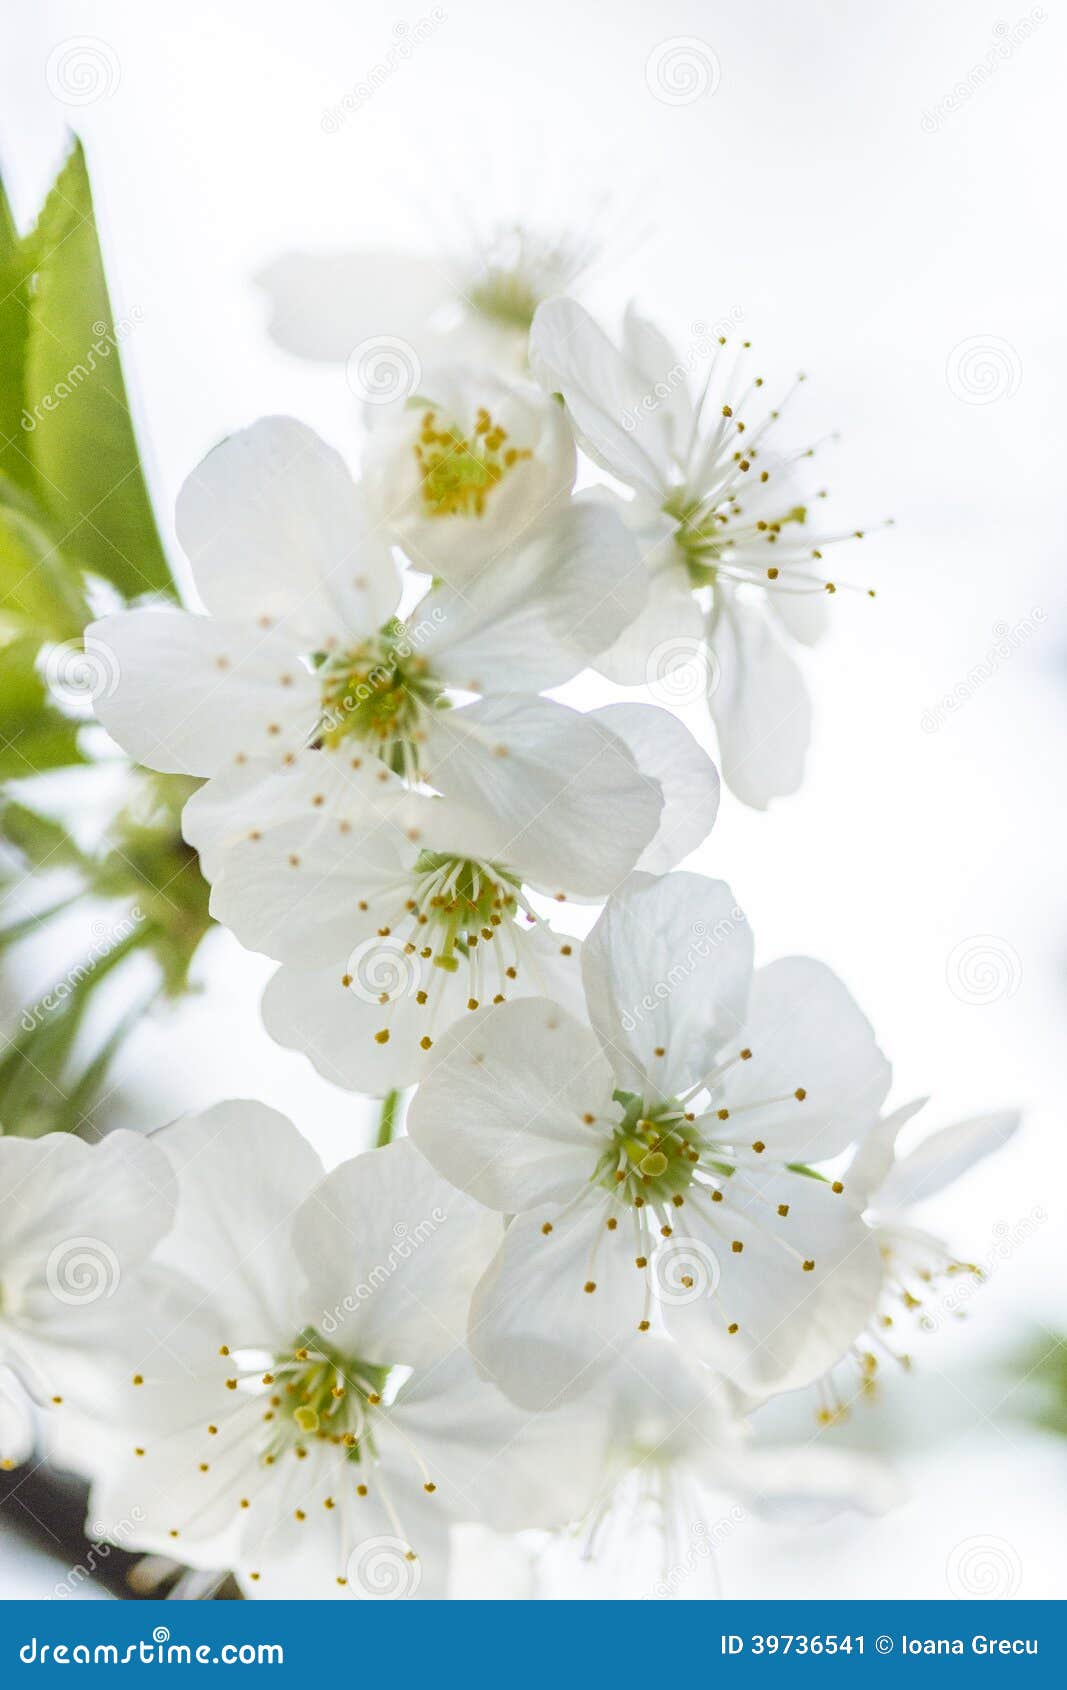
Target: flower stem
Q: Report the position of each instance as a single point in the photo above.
(387, 1119)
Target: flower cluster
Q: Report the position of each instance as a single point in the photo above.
(644, 1186)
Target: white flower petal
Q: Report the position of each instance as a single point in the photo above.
(137, 1503)
(452, 502)
(793, 1324)
(502, 1113)
(357, 1540)
(664, 646)
(759, 703)
(665, 750)
(805, 1033)
(658, 1397)
(803, 615)
(277, 533)
(149, 1482)
(78, 1220)
(339, 1027)
(544, 610)
(808, 1484)
(323, 305)
(336, 1026)
(392, 1254)
(613, 412)
(943, 1158)
(667, 970)
(492, 1462)
(874, 1154)
(535, 1329)
(323, 863)
(250, 796)
(242, 1171)
(664, 376)
(579, 810)
(192, 695)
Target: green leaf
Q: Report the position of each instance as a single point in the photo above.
(43, 842)
(79, 435)
(39, 588)
(34, 735)
(38, 1092)
(14, 326)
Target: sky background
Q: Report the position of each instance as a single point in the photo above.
(871, 197)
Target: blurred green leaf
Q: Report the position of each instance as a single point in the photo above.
(38, 586)
(33, 733)
(39, 1092)
(79, 436)
(150, 865)
(40, 840)
(14, 324)
(1039, 1382)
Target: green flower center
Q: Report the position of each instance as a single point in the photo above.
(507, 297)
(653, 1152)
(706, 535)
(459, 902)
(377, 694)
(316, 1392)
(459, 471)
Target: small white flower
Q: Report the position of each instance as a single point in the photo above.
(694, 1106)
(683, 1476)
(393, 914)
(396, 913)
(724, 525)
(301, 1406)
(302, 657)
(467, 469)
(919, 1271)
(476, 304)
(77, 1224)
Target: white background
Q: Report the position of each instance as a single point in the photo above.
(866, 231)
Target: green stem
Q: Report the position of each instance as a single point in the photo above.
(17, 930)
(387, 1119)
(93, 1075)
